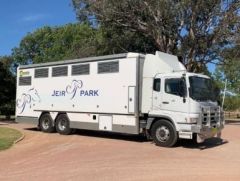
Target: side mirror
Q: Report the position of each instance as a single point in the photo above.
(190, 91)
(182, 89)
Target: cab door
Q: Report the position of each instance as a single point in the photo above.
(172, 98)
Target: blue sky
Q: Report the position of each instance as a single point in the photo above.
(18, 17)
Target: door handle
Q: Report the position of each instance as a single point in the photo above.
(165, 102)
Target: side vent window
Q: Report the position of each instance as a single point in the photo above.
(41, 73)
(157, 85)
(59, 71)
(25, 81)
(80, 69)
(108, 67)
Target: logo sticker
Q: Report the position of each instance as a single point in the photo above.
(75, 89)
(27, 98)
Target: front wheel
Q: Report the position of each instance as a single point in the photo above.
(63, 125)
(164, 133)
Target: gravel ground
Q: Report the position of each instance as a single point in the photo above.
(88, 155)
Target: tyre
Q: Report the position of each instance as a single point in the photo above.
(63, 125)
(46, 123)
(164, 133)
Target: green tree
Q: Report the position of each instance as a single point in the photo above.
(196, 30)
(57, 43)
(115, 40)
(7, 87)
(231, 68)
(232, 103)
(76, 41)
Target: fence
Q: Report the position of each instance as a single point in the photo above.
(232, 115)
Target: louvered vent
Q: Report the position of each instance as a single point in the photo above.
(108, 67)
(59, 71)
(41, 73)
(80, 69)
(24, 81)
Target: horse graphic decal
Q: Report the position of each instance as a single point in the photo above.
(27, 99)
(73, 87)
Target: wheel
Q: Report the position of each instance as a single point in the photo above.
(46, 123)
(164, 133)
(62, 125)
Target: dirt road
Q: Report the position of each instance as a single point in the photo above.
(101, 156)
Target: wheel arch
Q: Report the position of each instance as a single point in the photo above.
(152, 120)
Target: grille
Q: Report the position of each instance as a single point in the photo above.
(41, 73)
(59, 71)
(211, 117)
(108, 67)
(24, 81)
(80, 69)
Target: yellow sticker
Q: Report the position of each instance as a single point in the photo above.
(23, 73)
(214, 130)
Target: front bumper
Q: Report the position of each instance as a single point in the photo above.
(205, 132)
(210, 124)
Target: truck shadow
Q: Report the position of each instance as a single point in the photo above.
(110, 135)
(102, 134)
(207, 144)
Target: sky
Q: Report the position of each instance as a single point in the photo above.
(18, 17)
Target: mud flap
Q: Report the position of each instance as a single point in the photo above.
(200, 139)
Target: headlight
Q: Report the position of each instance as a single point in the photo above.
(193, 120)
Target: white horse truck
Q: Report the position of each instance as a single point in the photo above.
(127, 93)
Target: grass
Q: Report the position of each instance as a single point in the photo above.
(7, 137)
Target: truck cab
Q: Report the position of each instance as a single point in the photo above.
(184, 105)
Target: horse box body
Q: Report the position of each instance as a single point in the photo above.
(95, 93)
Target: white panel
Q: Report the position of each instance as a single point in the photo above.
(27, 97)
(124, 120)
(105, 123)
(131, 99)
(93, 93)
(83, 117)
(161, 63)
(147, 87)
(171, 62)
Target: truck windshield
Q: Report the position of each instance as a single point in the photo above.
(201, 89)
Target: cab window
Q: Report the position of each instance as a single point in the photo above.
(172, 86)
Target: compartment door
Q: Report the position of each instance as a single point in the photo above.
(105, 123)
(131, 100)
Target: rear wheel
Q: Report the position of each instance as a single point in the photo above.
(164, 133)
(63, 125)
(46, 123)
